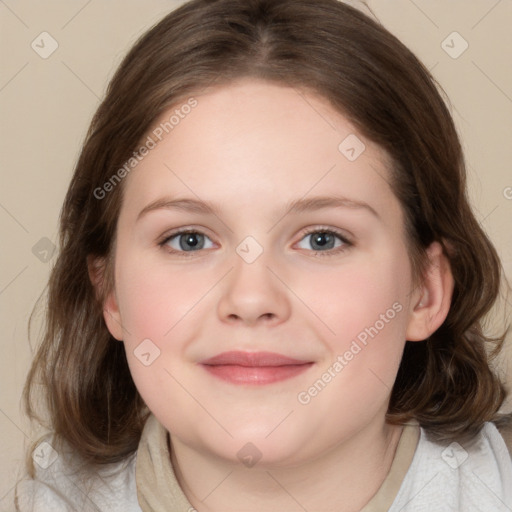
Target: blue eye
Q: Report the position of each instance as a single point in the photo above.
(318, 241)
(187, 241)
(324, 240)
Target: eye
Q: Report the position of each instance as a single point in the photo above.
(187, 241)
(319, 240)
(324, 240)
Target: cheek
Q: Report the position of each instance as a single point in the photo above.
(364, 307)
(161, 311)
(154, 300)
(355, 297)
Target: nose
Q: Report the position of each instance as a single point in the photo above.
(252, 294)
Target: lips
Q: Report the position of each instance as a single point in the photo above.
(254, 359)
(255, 368)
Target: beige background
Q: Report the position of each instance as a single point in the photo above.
(46, 105)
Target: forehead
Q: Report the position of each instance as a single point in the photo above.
(261, 144)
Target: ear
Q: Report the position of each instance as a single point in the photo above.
(432, 299)
(111, 315)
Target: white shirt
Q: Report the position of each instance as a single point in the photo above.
(449, 478)
(441, 478)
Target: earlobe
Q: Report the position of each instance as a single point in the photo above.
(433, 299)
(111, 315)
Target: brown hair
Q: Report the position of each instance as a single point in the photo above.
(338, 52)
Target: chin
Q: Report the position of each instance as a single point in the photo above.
(276, 450)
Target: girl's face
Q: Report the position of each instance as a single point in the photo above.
(280, 317)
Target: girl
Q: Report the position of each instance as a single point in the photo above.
(271, 286)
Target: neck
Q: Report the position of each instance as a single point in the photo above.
(343, 478)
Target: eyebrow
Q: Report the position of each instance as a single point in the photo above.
(297, 206)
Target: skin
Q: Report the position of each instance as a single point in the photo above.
(252, 148)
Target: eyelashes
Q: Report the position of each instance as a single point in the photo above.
(189, 242)
(321, 237)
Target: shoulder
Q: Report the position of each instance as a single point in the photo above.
(471, 476)
(61, 484)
